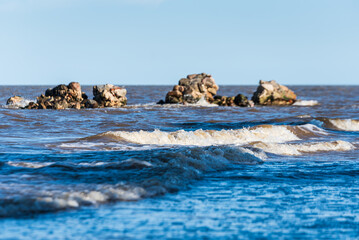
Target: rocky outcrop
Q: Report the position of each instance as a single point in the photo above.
(109, 95)
(60, 97)
(240, 101)
(192, 89)
(272, 93)
(71, 96)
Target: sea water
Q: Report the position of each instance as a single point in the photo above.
(182, 171)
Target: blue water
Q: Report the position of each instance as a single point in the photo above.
(205, 173)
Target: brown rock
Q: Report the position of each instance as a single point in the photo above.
(192, 89)
(272, 93)
(109, 95)
(15, 100)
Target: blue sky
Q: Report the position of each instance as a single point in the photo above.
(159, 41)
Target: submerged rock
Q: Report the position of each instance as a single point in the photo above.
(240, 101)
(109, 95)
(192, 89)
(272, 93)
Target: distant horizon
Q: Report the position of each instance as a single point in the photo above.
(154, 85)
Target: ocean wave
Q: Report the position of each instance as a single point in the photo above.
(306, 103)
(300, 148)
(341, 124)
(268, 133)
(54, 187)
(146, 140)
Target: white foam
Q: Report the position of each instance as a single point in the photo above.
(21, 104)
(300, 148)
(54, 200)
(209, 137)
(29, 164)
(203, 102)
(306, 103)
(314, 129)
(345, 124)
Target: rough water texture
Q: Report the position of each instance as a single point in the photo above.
(182, 172)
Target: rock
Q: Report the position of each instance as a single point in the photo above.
(60, 97)
(241, 100)
(192, 89)
(71, 96)
(15, 100)
(89, 103)
(272, 93)
(161, 102)
(32, 105)
(109, 95)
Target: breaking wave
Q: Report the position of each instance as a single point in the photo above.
(306, 103)
(341, 124)
(300, 148)
(200, 137)
(54, 187)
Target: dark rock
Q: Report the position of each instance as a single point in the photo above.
(89, 103)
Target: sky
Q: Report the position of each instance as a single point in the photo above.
(153, 42)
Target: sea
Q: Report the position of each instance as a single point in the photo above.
(148, 171)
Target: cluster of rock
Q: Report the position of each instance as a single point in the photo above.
(71, 96)
(272, 93)
(192, 89)
(240, 100)
(189, 90)
(109, 95)
(199, 86)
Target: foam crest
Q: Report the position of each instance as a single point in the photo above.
(307, 131)
(29, 164)
(343, 124)
(300, 148)
(306, 103)
(266, 133)
(51, 201)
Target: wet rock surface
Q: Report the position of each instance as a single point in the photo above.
(240, 101)
(272, 93)
(192, 89)
(109, 95)
(70, 96)
(15, 100)
(60, 97)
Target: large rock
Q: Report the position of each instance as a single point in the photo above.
(109, 95)
(192, 89)
(272, 93)
(60, 97)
